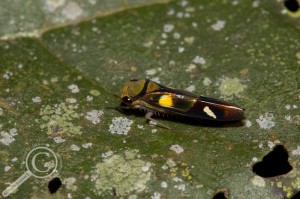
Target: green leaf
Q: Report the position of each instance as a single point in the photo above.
(63, 62)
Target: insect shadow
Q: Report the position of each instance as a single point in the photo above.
(160, 117)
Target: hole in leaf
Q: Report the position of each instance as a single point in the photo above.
(292, 5)
(296, 196)
(274, 163)
(54, 185)
(221, 194)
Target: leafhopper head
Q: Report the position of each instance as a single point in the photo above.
(131, 90)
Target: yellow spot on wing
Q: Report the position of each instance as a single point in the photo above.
(166, 100)
(209, 112)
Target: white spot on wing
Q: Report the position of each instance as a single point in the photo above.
(209, 112)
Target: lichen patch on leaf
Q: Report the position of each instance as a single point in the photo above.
(94, 116)
(231, 86)
(298, 55)
(120, 125)
(258, 181)
(95, 92)
(199, 60)
(176, 148)
(296, 151)
(52, 5)
(74, 88)
(265, 121)
(125, 173)
(289, 185)
(71, 100)
(219, 25)
(7, 138)
(179, 174)
(59, 139)
(72, 11)
(36, 99)
(248, 123)
(206, 81)
(70, 183)
(59, 119)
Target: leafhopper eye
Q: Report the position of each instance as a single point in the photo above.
(126, 100)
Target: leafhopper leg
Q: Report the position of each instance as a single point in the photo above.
(149, 115)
